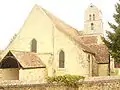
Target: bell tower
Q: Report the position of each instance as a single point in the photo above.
(93, 20)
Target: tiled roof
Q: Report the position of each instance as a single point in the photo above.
(28, 59)
(89, 39)
(101, 52)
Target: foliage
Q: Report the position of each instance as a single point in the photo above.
(69, 80)
(113, 38)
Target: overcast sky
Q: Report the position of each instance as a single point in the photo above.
(14, 12)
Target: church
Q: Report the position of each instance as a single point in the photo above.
(47, 46)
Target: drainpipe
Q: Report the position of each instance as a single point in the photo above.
(53, 50)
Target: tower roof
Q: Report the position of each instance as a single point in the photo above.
(92, 6)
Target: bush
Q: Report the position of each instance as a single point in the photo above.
(69, 80)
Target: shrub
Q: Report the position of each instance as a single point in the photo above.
(69, 80)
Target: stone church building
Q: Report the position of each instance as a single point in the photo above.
(47, 46)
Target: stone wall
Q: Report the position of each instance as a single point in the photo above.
(33, 74)
(9, 74)
(91, 83)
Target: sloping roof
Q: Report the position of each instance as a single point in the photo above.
(100, 49)
(101, 52)
(60, 24)
(92, 6)
(68, 30)
(28, 59)
(89, 39)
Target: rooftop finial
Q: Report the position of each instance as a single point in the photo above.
(91, 5)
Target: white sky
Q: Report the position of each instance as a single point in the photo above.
(14, 12)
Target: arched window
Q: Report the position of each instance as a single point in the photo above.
(92, 26)
(34, 45)
(90, 17)
(93, 16)
(61, 59)
(88, 57)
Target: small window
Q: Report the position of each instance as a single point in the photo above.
(92, 26)
(90, 17)
(61, 59)
(93, 16)
(34, 45)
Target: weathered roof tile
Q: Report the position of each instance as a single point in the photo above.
(28, 59)
(101, 52)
